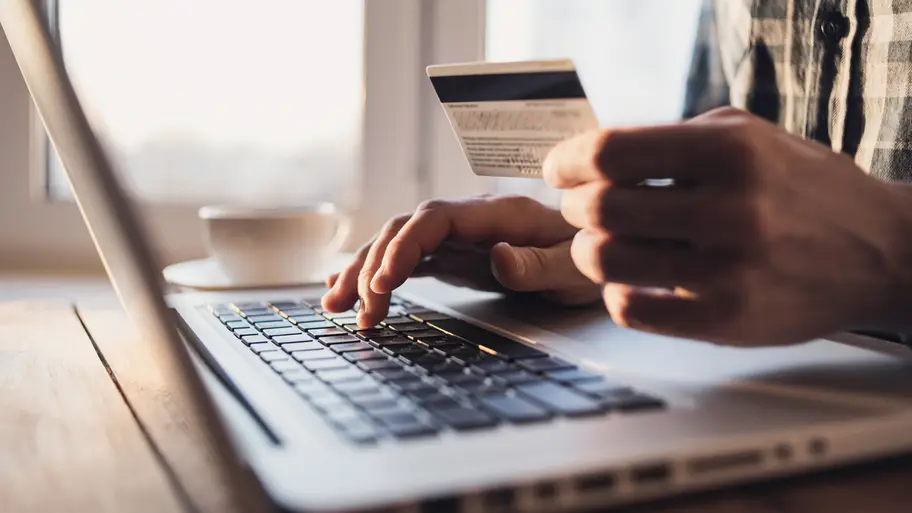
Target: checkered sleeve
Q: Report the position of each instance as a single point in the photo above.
(707, 86)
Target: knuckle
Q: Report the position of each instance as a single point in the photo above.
(726, 112)
(520, 202)
(599, 254)
(599, 206)
(395, 224)
(432, 205)
(606, 143)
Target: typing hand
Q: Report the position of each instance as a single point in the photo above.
(765, 238)
(489, 243)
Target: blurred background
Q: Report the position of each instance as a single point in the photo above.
(289, 101)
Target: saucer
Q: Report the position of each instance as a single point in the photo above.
(206, 274)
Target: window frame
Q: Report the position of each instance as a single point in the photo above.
(398, 165)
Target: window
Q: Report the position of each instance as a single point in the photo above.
(209, 100)
(296, 100)
(632, 55)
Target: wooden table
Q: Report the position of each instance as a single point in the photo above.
(88, 425)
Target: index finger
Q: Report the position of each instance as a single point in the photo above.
(517, 220)
(630, 156)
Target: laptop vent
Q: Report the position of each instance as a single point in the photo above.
(500, 499)
(442, 505)
(733, 461)
(651, 475)
(597, 483)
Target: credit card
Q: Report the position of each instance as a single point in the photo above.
(508, 116)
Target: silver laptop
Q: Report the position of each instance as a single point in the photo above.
(464, 401)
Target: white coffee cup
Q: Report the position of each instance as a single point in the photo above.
(274, 245)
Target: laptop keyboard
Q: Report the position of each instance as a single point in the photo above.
(418, 373)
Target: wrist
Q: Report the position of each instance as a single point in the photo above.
(896, 311)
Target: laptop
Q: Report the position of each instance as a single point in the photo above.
(462, 400)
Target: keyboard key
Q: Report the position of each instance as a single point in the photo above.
(602, 388)
(443, 369)
(254, 339)
(282, 366)
(376, 333)
(446, 349)
(545, 364)
(340, 375)
(326, 332)
(417, 388)
(292, 343)
(632, 402)
(466, 356)
(313, 388)
(398, 340)
(439, 400)
(376, 365)
(342, 318)
(351, 347)
(483, 388)
(320, 354)
(273, 356)
(410, 327)
(491, 366)
(297, 375)
(259, 348)
(257, 312)
(407, 426)
(247, 306)
(245, 332)
(316, 324)
(423, 360)
(278, 332)
(408, 350)
(272, 324)
(461, 418)
(359, 432)
(514, 378)
(360, 356)
(364, 386)
(559, 399)
(429, 315)
(282, 304)
(460, 378)
(503, 346)
(297, 337)
(376, 402)
(513, 409)
(393, 321)
(237, 325)
(230, 317)
(325, 364)
(573, 376)
(339, 339)
(345, 414)
(426, 334)
(264, 318)
(328, 402)
(441, 341)
(300, 312)
(219, 310)
(397, 374)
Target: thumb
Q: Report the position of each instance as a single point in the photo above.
(531, 269)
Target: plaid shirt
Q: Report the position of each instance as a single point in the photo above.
(836, 71)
